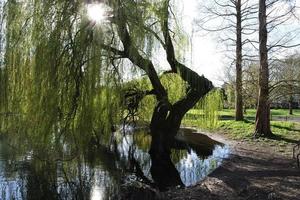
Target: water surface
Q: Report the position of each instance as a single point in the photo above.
(100, 172)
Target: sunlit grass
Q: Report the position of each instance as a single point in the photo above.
(245, 129)
(285, 131)
(251, 112)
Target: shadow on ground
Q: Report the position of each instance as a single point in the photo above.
(250, 173)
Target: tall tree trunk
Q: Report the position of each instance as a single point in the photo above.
(262, 124)
(239, 87)
(291, 105)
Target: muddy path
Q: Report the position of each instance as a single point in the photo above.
(253, 171)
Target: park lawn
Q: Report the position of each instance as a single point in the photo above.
(286, 132)
(284, 112)
(245, 129)
(250, 112)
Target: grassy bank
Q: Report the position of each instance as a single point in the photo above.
(251, 112)
(286, 132)
(245, 129)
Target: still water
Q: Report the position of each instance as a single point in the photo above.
(100, 172)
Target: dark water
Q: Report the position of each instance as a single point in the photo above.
(99, 173)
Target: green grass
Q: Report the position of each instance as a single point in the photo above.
(285, 131)
(251, 112)
(286, 134)
(284, 112)
(236, 129)
(245, 129)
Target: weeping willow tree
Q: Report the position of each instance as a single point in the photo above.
(63, 72)
(154, 23)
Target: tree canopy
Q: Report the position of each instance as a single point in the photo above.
(63, 72)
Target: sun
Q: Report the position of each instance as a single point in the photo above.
(96, 12)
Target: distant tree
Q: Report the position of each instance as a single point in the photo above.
(285, 82)
(250, 85)
(269, 20)
(232, 16)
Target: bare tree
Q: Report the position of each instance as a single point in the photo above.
(250, 85)
(285, 82)
(235, 16)
(269, 20)
(262, 123)
(238, 65)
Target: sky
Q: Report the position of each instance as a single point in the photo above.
(203, 54)
(207, 55)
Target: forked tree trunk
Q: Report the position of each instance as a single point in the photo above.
(162, 168)
(166, 118)
(164, 126)
(239, 85)
(262, 123)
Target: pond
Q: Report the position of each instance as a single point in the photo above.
(101, 172)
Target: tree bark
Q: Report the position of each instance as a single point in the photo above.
(239, 87)
(262, 123)
(291, 105)
(166, 118)
(164, 126)
(166, 122)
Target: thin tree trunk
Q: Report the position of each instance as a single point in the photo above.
(262, 124)
(238, 89)
(291, 105)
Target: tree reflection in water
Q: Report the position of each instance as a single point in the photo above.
(100, 172)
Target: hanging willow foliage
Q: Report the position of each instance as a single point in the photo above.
(175, 87)
(56, 81)
(210, 105)
(59, 83)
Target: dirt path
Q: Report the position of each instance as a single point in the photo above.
(253, 171)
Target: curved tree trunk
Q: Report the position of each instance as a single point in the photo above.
(166, 118)
(162, 169)
(164, 126)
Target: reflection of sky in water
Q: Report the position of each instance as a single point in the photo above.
(14, 178)
(141, 156)
(98, 191)
(102, 179)
(194, 169)
(10, 182)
